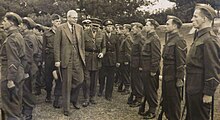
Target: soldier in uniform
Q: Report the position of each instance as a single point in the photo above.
(174, 55)
(48, 60)
(202, 65)
(136, 83)
(109, 61)
(150, 65)
(12, 69)
(2, 35)
(86, 24)
(124, 58)
(69, 54)
(31, 50)
(95, 47)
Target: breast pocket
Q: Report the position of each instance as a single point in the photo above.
(146, 49)
(169, 51)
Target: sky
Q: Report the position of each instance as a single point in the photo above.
(159, 5)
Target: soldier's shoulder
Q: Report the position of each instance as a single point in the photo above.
(48, 32)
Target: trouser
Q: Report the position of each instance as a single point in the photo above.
(49, 68)
(90, 84)
(124, 76)
(40, 80)
(171, 100)
(196, 109)
(151, 85)
(107, 72)
(28, 97)
(136, 84)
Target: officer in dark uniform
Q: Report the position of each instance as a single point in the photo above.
(95, 47)
(174, 58)
(48, 58)
(136, 83)
(86, 24)
(150, 65)
(109, 61)
(202, 65)
(12, 70)
(124, 58)
(31, 50)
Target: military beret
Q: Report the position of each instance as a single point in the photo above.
(96, 21)
(175, 19)
(16, 16)
(108, 22)
(136, 24)
(86, 21)
(55, 16)
(207, 8)
(127, 26)
(153, 22)
(29, 21)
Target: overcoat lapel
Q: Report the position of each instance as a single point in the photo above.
(68, 33)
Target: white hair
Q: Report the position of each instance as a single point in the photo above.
(72, 13)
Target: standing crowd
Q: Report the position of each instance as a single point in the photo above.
(74, 57)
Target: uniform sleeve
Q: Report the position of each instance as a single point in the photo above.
(181, 50)
(44, 47)
(12, 49)
(128, 45)
(57, 43)
(211, 66)
(156, 55)
(103, 44)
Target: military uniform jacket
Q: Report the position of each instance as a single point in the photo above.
(13, 56)
(203, 63)
(150, 52)
(48, 43)
(95, 43)
(31, 47)
(174, 57)
(2, 36)
(136, 50)
(124, 54)
(110, 58)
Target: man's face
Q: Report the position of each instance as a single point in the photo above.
(56, 22)
(169, 26)
(22, 27)
(148, 27)
(135, 29)
(72, 18)
(86, 26)
(6, 23)
(109, 28)
(95, 27)
(198, 19)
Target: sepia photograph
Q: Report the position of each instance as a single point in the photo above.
(109, 59)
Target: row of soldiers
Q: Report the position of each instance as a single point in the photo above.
(77, 57)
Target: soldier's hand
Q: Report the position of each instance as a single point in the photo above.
(57, 64)
(118, 64)
(100, 55)
(179, 83)
(10, 84)
(207, 99)
(152, 74)
(126, 63)
(140, 68)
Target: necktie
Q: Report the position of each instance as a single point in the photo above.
(72, 29)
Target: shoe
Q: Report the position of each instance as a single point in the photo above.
(85, 104)
(38, 92)
(108, 98)
(142, 109)
(125, 92)
(92, 102)
(149, 115)
(130, 99)
(56, 104)
(66, 113)
(48, 100)
(135, 104)
(28, 117)
(100, 94)
(76, 106)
